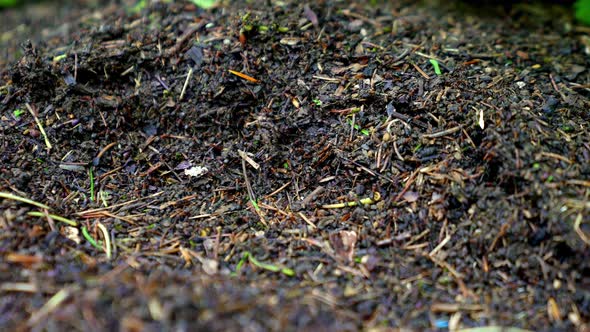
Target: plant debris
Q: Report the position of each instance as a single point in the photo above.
(327, 165)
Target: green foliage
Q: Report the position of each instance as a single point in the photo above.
(139, 6)
(582, 11)
(8, 3)
(18, 112)
(206, 4)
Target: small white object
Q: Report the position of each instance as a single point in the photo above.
(73, 234)
(196, 171)
(481, 121)
(520, 84)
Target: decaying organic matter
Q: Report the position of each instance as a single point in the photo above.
(279, 165)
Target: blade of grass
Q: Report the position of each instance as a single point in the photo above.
(23, 200)
(54, 302)
(188, 78)
(89, 238)
(436, 66)
(271, 267)
(251, 195)
(241, 263)
(107, 240)
(47, 143)
(266, 266)
(91, 176)
(53, 216)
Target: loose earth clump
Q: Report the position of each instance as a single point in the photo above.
(287, 166)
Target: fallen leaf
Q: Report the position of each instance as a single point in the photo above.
(411, 196)
(344, 243)
(310, 15)
(553, 310)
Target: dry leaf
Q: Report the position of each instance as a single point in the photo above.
(411, 196)
(344, 243)
(553, 310)
(310, 15)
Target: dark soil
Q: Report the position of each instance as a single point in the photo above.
(210, 148)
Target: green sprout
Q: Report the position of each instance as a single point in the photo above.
(247, 256)
(18, 112)
(104, 197)
(436, 66)
(255, 204)
(417, 147)
(89, 238)
(357, 127)
(60, 57)
(205, 4)
(317, 102)
(53, 216)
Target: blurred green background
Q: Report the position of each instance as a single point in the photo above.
(581, 7)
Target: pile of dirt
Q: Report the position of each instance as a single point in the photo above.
(282, 165)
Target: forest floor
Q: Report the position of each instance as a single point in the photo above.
(276, 165)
